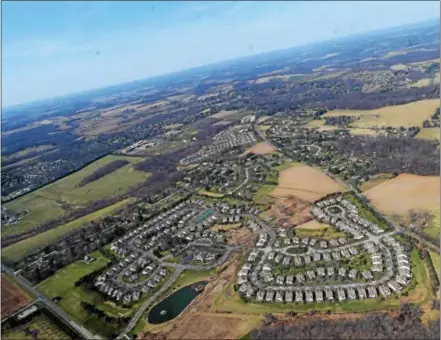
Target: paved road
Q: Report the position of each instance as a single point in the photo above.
(243, 183)
(57, 311)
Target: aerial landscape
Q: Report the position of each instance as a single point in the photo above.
(288, 194)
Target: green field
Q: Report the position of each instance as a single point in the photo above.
(287, 165)
(210, 194)
(18, 250)
(264, 190)
(435, 260)
(61, 284)
(326, 232)
(45, 203)
(45, 327)
(364, 212)
(433, 229)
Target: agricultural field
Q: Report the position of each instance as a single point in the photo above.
(406, 192)
(429, 134)
(13, 297)
(40, 327)
(18, 250)
(262, 148)
(57, 198)
(305, 182)
(27, 151)
(411, 114)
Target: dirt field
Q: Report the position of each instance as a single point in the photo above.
(262, 148)
(223, 114)
(305, 182)
(412, 114)
(311, 225)
(290, 211)
(13, 298)
(201, 321)
(406, 192)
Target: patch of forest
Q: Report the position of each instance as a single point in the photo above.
(406, 324)
(393, 155)
(103, 171)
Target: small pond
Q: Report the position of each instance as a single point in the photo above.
(174, 304)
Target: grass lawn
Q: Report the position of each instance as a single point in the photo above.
(429, 134)
(189, 277)
(210, 194)
(369, 184)
(264, 190)
(435, 260)
(44, 203)
(433, 229)
(287, 165)
(325, 231)
(18, 250)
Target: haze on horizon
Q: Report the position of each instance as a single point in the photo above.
(58, 48)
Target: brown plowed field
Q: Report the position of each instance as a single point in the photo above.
(305, 182)
(13, 298)
(398, 195)
(261, 149)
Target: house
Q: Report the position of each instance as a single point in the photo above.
(342, 241)
(321, 272)
(242, 280)
(250, 292)
(279, 296)
(351, 294)
(260, 295)
(271, 255)
(402, 280)
(326, 257)
(310, 274)
(329, 294)
(307, 259)
(353, 274)
(318, 295)
(280, 280)
(377, 268)
(269, 296)
(288, 296)
(267, 267)
(300, 278)
(336, 256)
(394, 286)
(385, 291)
(278, 258)
(353, 251)
(342, 272)
(289, 280)
(345, 253)
(330, 271)
(299, 296)
(308, 296)
(323, 244)
(361, 293)
(367, 274)
(372, 291)
(297, 261)
(333, 243)
(341, 295)
(317, 257)
(286, 260)
(243, 273)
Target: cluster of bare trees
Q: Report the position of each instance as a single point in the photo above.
(103, 171)
(406, 324)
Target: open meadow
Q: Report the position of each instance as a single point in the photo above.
(17, 251)
(55, 199)
(411, 114)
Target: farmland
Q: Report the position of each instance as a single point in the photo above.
(18, 250)
(13, 297)
(53, 200)
(412, 114)
(262, 148)
(304, 182)
(41, 326)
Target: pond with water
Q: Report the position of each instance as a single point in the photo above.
(173, 305)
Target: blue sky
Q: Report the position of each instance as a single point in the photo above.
(56, 48)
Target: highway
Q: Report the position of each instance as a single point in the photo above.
(57, 311)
